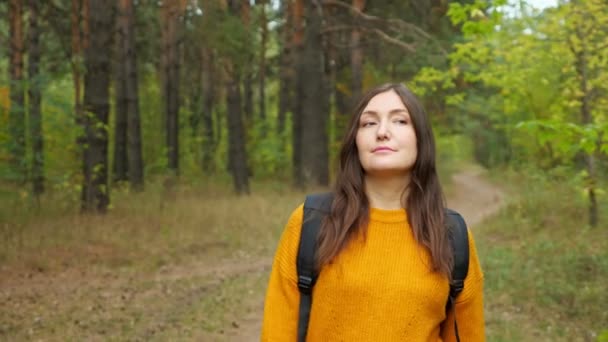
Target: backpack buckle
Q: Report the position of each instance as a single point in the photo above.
(305, 284)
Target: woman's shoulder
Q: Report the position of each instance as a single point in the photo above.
(292, 229)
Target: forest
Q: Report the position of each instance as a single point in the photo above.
(152, 151)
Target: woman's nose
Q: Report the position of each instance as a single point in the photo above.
(382, 133)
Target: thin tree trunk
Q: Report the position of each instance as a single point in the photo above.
(35, 98)
(16, 123)
(586, 119)
(76, 63)
(314, 101)
(237, 152)
(96, 103)
(356, 59)
(208, 86)
(78, 28)
(247, 70)
(286, 67)
(582, 69)
(297, 41)
(262, 71)
(170, 13)
(121, 162)
(236, 136)
(134, 144)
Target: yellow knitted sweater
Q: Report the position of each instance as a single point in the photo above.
(380, 288)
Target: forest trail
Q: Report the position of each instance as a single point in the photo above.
(471, 194)
(182, 301)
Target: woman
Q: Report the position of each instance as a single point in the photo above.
(383, 251)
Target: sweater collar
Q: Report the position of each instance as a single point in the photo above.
(388, 216)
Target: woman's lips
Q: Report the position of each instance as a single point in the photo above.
(383, 149)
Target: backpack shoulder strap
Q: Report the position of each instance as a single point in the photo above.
(315, 208)
(459, 238)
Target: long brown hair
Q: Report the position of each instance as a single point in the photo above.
(424, 204)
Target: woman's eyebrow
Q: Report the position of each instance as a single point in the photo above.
(393, 111)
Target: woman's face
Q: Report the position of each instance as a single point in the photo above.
(386, 139)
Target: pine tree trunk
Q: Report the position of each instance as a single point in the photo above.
(356, 59)
(209, 139)
(286, 67)
(236, 136)
(170, 13)
(120, 166)
(297, 49)
(134, 144)
(96, 104)
(76, 45)
(247, 70)
(35, 98)
(262, 71)
(16, 123)
(314, 101)
(237, 152)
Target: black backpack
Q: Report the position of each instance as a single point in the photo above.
(316, 207)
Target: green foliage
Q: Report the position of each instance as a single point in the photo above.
(269, 158)
(515, 85)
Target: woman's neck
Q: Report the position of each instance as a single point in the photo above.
(386, 193)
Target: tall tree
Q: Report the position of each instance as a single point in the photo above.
(237, 152)
(209, 92)
(127, 72)
(248, 67)
(314, 101)
(297, 105)
(17, 112)
(171, 12)
(121, 162)
(262, 68)
(35, 98)
(587, 23)
(356, 58)
(77, 38)
(288, 40)
(96, 103)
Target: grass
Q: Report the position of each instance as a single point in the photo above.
(188, 265)
(146, 270)
(546, 270)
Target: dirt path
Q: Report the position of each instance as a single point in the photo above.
(471, 195)
(175, 302)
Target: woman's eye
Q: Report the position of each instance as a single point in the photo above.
(367, 123)
(401, 121)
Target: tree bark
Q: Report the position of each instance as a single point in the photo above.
(314, 101)
(237, 151)
(356, 59)
(247, 68)
(236, 137)
(262, 71)
(16, 123)
(286, 67)
(96, 104)
(586, 119)
(134, 144)
(296, 121)
(208, 86)
(121, 162)
(35, 98)
(170, 13)
(76, 61)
